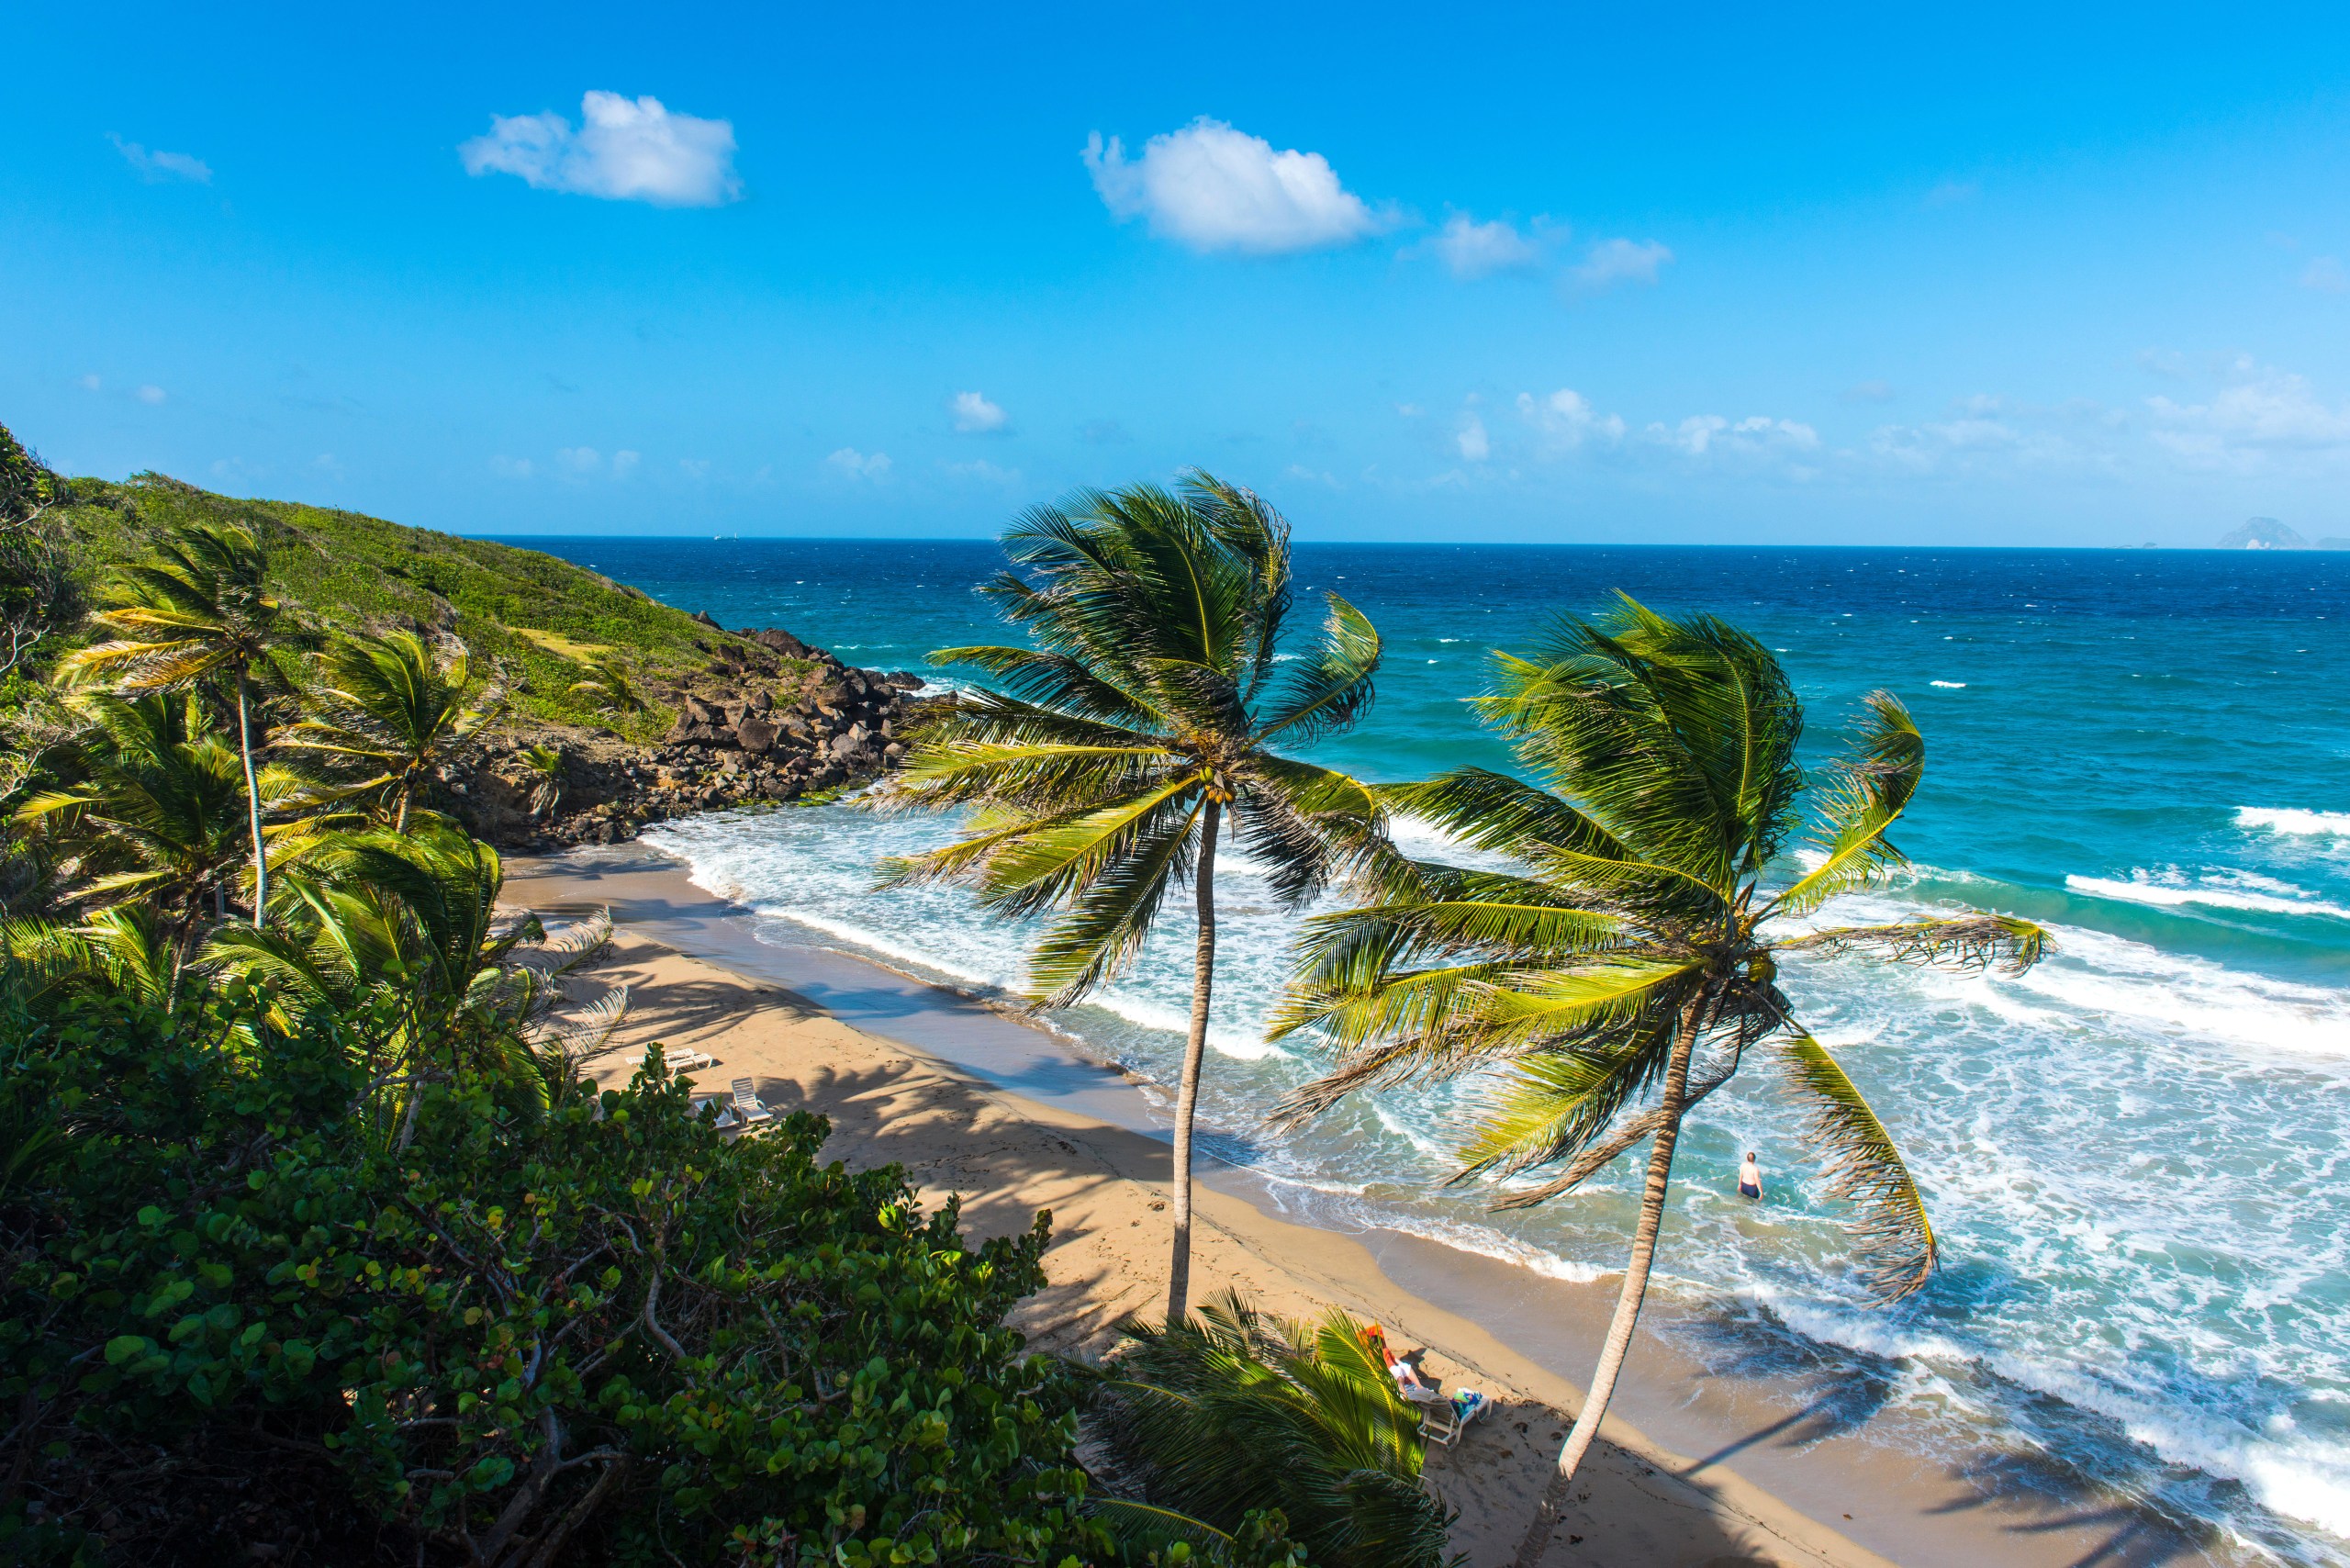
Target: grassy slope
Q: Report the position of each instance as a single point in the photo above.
(535, 616)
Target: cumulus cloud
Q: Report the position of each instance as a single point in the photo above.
(857, 464)
(1565, 419)
(1471, 441)
(156, 168)
(1472, 250)
(974, 415)
(150, 393)
(622, 149)
(579, 461)
(507, 467)
(89, 383)
(1215, 188)
(1612, 262)
(2326, 276)
(695, 469)
(624, 464)
(2269, 412)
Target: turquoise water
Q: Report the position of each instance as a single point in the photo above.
(2138, 1156)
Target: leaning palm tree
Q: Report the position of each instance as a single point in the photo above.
(395, 710)
(200, 609)
(1236, 1411)
(1632, 943)
(1104, 768)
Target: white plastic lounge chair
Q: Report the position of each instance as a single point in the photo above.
(1443, 1416)
(687, 1062)
(724, 1106)
(746, 1102)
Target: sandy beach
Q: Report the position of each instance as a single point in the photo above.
(1700, 1473)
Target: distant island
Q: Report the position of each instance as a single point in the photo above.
(2267, 533)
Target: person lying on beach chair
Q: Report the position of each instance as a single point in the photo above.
(1442, 1416)
(747, 1107)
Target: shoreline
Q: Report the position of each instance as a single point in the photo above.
(975, 1101)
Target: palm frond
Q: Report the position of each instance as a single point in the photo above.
(1970, 941)
(1870, 789)
(1893, 1236)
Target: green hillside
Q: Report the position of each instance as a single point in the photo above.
(537, 618)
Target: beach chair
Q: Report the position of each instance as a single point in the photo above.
(747, 1107)
(688, 1061)
(724, 1104)
(1443, 1416)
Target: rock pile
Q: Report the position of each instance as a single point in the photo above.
(770, 723)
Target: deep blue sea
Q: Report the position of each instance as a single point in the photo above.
(2138, 1156)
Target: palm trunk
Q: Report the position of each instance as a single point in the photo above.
(1187, 1095)
(400, 822)
(252, 806)
(1628, 1300)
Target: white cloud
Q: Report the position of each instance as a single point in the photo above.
(579, 461)
(2163, 362)
(624, 149)
(1869, 392)
(1215, 188)
(158, 167)
(1471, 440)
(984, 472)
(2326, 276)
(860, 465)
(90, 384)
(1410, 410)
(151, 393)
(2271, 411)
(974, 415)
(1474, 249)
(1565, 419)
(695, 469)
(624, 464)
(1612, 262)
(512, 467)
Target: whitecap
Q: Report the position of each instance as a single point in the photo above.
(2295, 820)
(2175, 896)
(1949, 685)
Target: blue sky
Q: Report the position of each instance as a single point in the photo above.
(2018, 275)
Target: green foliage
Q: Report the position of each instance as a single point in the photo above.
(1233, 1413)
(607, 1324)
(393, 708)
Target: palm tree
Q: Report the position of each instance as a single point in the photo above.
(1235, 1411)
(609, 687)
(412, 919)
(1105, 767)
(1632, 945)
(199, 610)
(396, 710)
(157, 814)
(545, 763)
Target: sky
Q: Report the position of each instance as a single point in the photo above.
(2011, 275)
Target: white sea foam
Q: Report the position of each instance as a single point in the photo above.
(1949, 685)
(2176, 896)
(2293, 820)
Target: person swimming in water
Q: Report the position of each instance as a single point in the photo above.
(1750, 1179)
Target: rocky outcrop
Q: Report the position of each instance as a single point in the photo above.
(771, 723)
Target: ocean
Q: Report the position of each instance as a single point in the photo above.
(2137, 1155)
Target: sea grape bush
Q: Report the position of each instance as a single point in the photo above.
(235, 1316)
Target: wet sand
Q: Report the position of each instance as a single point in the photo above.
(1779, 1464)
